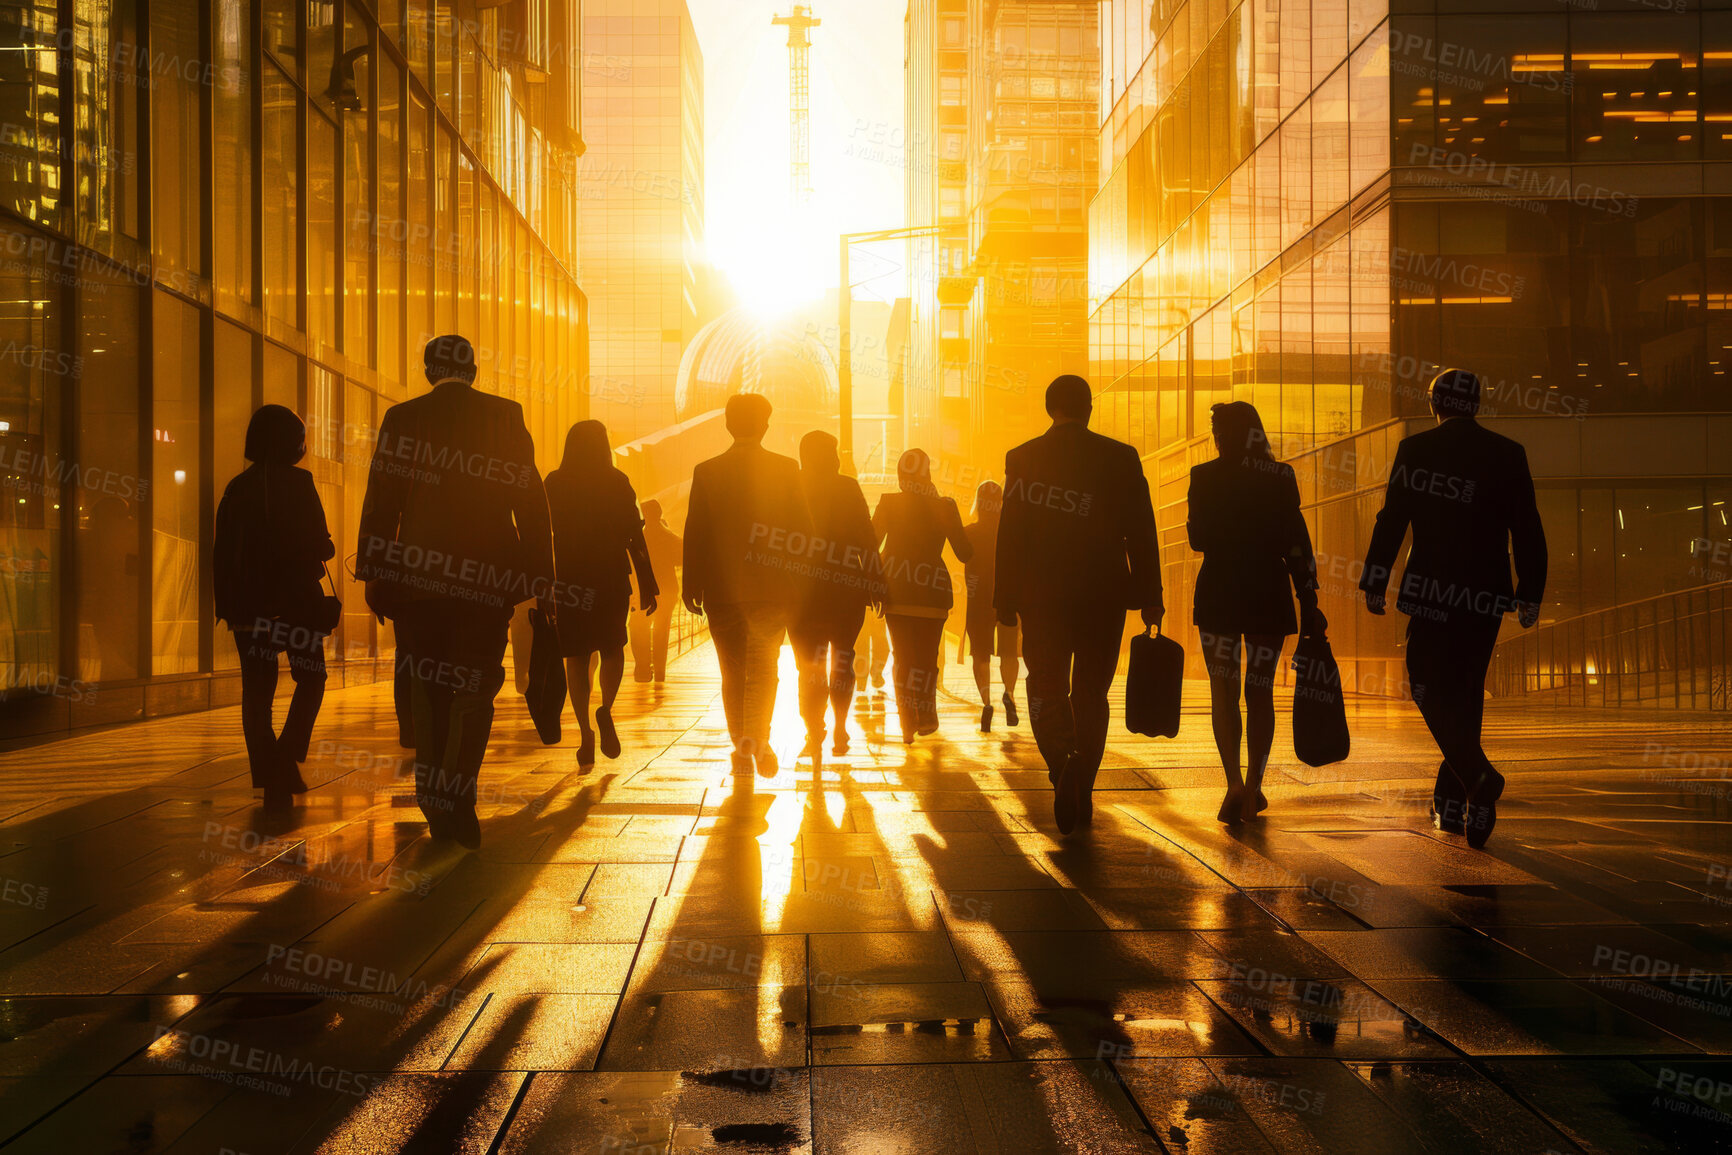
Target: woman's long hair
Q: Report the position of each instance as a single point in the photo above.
(1239, 433)
(988, 501)
(586, 449)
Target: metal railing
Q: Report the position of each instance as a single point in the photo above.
(1669, 652)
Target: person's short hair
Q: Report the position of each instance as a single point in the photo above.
(820, 449)
(1069, 396)
(747, 415)
(1455, 393)
(275, 436)
(449, 356)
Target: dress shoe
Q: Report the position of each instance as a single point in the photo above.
(1232, 810)
(1066, 801)
(609, 736)
(1482, 796)
(1446, 812)
(1009, 710)
(278, 801)
(986, 719)
(586, 749)
(768, 766)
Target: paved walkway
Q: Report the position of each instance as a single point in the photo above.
(897, 954)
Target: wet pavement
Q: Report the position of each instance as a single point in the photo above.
(894, 952)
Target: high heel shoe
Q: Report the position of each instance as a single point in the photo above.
(609, 736)
(1232, 810)
(1009, 709)
(986, 719)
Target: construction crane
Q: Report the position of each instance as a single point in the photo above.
(799, 101)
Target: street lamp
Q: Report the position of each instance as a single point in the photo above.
(845, 358)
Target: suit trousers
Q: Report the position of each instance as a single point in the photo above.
(748, 638)
(458, 668)
(824, 651)
(1072, 654)
(915, 643)
(272, 757)
(1446, 667)
(649, 640)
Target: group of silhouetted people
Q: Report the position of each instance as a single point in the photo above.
(458, 528)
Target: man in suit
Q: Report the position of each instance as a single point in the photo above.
(1076, 549)
(454, 533)
(746, 531)
(840, 571)
(1469, 498)
(649, 632)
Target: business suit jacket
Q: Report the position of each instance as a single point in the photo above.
(746, 529)
(665, 548)
(598, 536)
(1077, 526)
(270, 545)
(914, 528)
(844, 561)
(455, 507)
(1245, 521)
(1469, 498)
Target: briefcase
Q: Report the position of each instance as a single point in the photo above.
(546, 693)
(1153, 684)
(1320, 734)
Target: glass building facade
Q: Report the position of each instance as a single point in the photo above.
(1032, 169)
(1312, 205)
(229, 204)
(641, 189)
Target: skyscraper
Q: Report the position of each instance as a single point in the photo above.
(642, 194)
(1001, 154)
(1314, 205)
(227, 206)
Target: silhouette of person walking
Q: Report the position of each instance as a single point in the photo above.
(841, 580)
(1245, 521)
(453, 534)
(1076, 549)
(914, 523)
(269, 552)
(745, 519)
(986, 636)
(597, 543)
(650, 630)
(1468, 497)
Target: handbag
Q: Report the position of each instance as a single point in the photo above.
(319, 612)
(1154, 682)
(316, 611)
(1320, 735)
(545, 694)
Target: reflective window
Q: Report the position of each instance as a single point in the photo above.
(1502, 88)
(177, 201)
(30, 466)
(281, 212)
(174, 539)
(232, 154)
(321, 229)
(108, 492)
(1636, 88)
